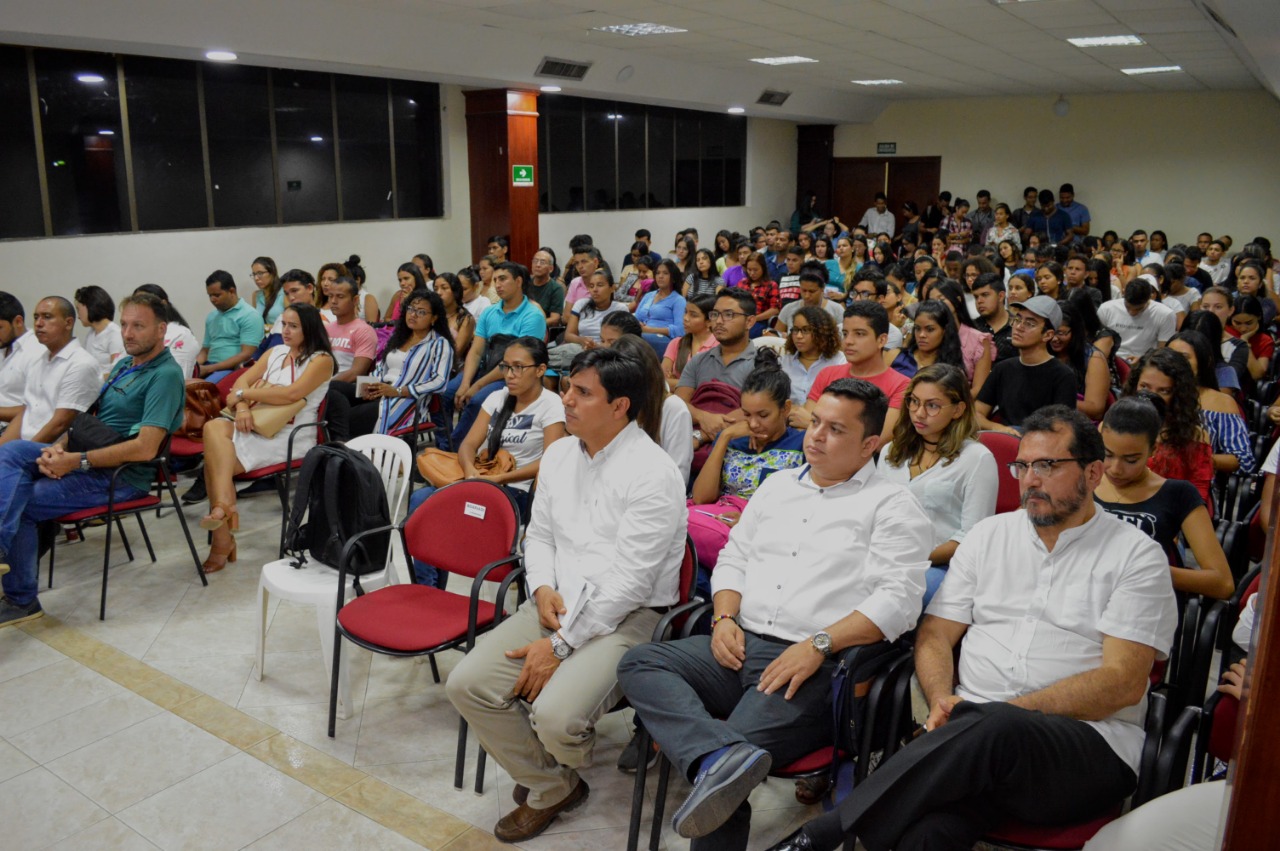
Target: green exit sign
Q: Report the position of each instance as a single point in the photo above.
(522, 175)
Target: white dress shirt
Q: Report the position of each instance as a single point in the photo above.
(70, 379)
(955, 494)
(877, 222)
(677, 434)
(804, 556)
(1036, 617)
(616, 521)
(14, 369)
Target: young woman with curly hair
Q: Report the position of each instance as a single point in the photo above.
(812, 345)
(1183, 450)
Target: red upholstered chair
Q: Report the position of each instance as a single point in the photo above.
(469, 528)
(113, 511)
(1005, 448)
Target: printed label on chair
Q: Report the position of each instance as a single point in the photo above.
(474, 510)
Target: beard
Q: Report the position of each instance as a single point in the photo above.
(1059, 509)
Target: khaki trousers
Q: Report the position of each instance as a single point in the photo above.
(542, 744)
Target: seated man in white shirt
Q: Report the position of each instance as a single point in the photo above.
(18, 344)
(1063, 609)
(62, 381)
(826, 556)
(605, 542)
(1142, 322)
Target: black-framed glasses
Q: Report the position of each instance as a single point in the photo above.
(801, 331)
(418, 311)
(514, 368)
(729, 315)
(1043, 468)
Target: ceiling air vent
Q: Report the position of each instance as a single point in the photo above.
(563, 69)
(769, 97)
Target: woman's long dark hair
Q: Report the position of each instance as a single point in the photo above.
(1077, 353)
(402, 332)
(649, 418)
(537, 350)
(825, 334)
(428, 262)
(589, 309)
(673, 272)
(1083, 305)
(419, 282)
(949, 351)
(171, 312)
(315, 339)
(271, 291)
(719, 252)
(1182, 418)
(1206, 376)
(694, 276)
(455, 287)
(684, 351)
(950, 290)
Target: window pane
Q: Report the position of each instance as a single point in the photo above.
(662, 138)
(304, 146)
(566, 154)
(601, 119)
(82, 141)
(735, 160)
(416, 110)
(712, 138)
(239, 122)
(631, 156)
(364, 147)
(687, 155)
(20, 215)
(164, 130)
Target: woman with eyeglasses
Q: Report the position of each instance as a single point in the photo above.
(267, 299)
(414, 365)
(1165, 509)
(935, 452)
(522, 417)
(812, 344)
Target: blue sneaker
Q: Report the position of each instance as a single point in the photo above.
(12, 614)
(725, 779)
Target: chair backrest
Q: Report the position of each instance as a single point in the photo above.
(1005, 448)
(394, 462)
(463, 527)
(688, 572)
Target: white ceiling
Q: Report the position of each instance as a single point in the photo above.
(939, 48)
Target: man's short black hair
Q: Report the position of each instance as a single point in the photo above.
(222, 278)
(625, 322)
(746, 301)
(988, 279)
(880, 196)
(818, 268)
(580, 242)
(795, 251)
(944, 195)
(619, 376)
(875, 314)
(1086, 440)
(984, 193)
(1137, 292)
(813, 278)
(875, 405)
(10, 307)
(643, 233)
(515, 270)
(1028, 191)
(1046, 197)
(1193, 252)
(1066, 187)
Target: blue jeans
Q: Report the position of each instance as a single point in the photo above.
(426, 574)
(659, 343)
(27, 498)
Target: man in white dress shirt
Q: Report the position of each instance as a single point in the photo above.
(62, 382)
(878, 219)
(18, 344)
(1063, 609)
(602, 555)
(826, 556)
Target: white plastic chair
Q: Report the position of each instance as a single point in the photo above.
(316, 583)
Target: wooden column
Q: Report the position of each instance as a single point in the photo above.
(502, 133)
(1253, 819)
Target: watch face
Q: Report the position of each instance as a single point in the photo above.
(822, 641)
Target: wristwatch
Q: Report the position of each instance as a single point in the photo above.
(85, 466)
(821, 642)
(239, 395)
(560, 647)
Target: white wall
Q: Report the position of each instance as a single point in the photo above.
(180, 261)
(771, 194)
(1182, 163)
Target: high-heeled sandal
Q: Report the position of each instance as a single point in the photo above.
(230, 516)
(219, 557)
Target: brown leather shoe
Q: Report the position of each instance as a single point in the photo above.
(526, 822)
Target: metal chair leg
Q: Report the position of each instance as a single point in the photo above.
(460, 760)
(333, 684)
(435, 671)
(119, 521)
(53, 552)
(660, 803)
(643, 745)
(146, 539)
(106, 564)
(480, 765)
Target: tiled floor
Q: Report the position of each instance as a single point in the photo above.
(150, 730)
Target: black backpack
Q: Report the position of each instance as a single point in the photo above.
(341, 495)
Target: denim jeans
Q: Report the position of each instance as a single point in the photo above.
(426, 574)
(27, 498)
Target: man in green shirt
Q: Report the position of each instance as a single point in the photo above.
(142, 400)
(543, 291)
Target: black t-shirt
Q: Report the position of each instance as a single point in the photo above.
(1161, 516)
(1002, 338)
(1016, 391)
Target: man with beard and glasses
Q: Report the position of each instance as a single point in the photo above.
(1063, 611)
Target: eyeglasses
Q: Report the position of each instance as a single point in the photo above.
(728, 315)
(931, 407)
(1044, 468)
(259, 274)
(1029, 322)
(516, 369)
(418, 311)
(862, 294)
(805, 331)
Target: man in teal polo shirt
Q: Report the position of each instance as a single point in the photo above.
(231, 333)
(142, 400)
(513, 316)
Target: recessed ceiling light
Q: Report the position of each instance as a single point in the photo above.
(877, 82)
(317, 138)
(736, 110)
(640, 29)
(1154, 69)
(783, 60)
(1106, 41)
(106, 132)
(90, 78)
(220, 56)
(550, 89)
